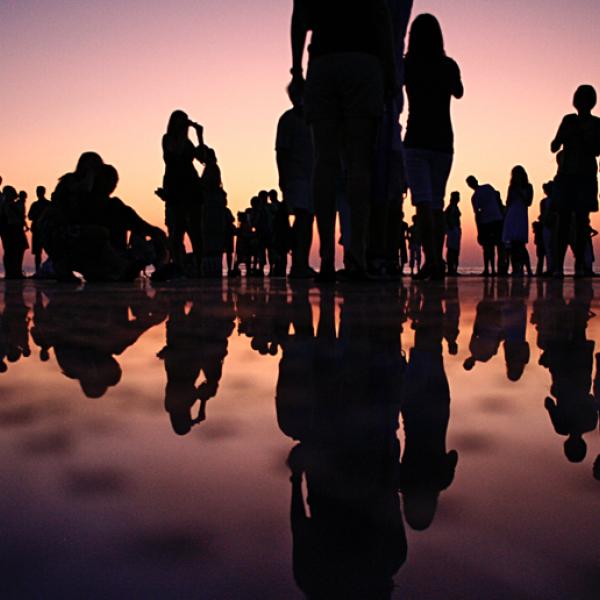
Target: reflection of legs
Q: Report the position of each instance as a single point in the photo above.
(359, 147)
(326, 136)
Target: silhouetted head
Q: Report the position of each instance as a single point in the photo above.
(575, 448)
(273, 196)
(107, 181)
(597, 468)
(472, 182)
(455, 197)
(44, 355)
(519, 177)
(548, 187)
(263, 196)
(89, 162)
(105, 373)
(40, 191)
(9, 193)
(3, 367)
(426, 40)
(585, 99)
(178, 123)
(452, 348)
(22, 195)
(254, 202)
(469, 363)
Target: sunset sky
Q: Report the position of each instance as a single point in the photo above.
(82, 75)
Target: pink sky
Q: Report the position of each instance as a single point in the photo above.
(106, 75)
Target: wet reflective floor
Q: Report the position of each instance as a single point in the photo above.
(266, 441)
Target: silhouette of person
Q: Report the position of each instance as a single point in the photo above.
(12, 231)
(196, 342)
(35, 212)
(515, 233)
(389, 185)
(294, 151)
(569, 357)
(452, 216)
(415, 244)
(432, 80)
(489, 218)
(351, 64)
(577, 143)
(427, 468)
(353, 542)
(213, 216)
(182, 190)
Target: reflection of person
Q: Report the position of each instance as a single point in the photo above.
(514, 328)
(432, 80)
(487, 329)
(15, 324)
(196, 342)
(87, 331)
(351, 63)
(346, 420)
(427, 467)
(569, 357)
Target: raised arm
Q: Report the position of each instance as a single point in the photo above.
(298, 37)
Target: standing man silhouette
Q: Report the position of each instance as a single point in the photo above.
(351, 66)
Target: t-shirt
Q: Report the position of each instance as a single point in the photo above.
(429, 88)
(343, 26)
(37, 208)
(294, 139)
(580, 139)
(486, 204)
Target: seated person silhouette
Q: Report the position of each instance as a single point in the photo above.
(84, 229)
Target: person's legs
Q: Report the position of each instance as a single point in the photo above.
(176, 232)
(303, 232)
(359, 135)
(441, 165)
(326, 136)
(582, 238)
(562, 242)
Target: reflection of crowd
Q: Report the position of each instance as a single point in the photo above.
(345, 385)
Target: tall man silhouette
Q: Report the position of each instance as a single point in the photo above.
(351, 66)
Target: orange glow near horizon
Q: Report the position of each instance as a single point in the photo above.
(80, 76)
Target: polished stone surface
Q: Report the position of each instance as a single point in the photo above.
(266, 441)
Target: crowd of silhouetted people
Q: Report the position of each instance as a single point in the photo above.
(340, 150)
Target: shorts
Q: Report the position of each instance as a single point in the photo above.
(427, 173)
(345, 85)
(577, 193)
(298, 195)
(490, 234)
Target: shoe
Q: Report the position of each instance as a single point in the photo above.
(423, 273)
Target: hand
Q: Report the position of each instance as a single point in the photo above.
(297, 85)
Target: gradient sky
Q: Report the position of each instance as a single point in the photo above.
(95, 75)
